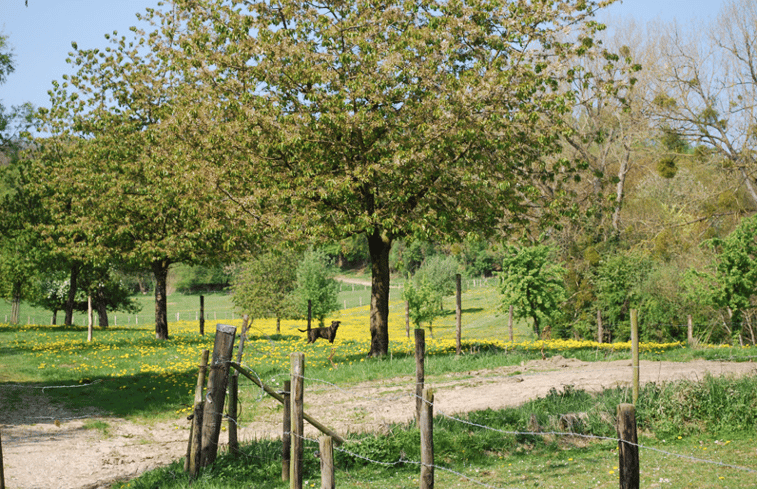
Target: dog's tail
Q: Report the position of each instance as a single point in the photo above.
(302, 330)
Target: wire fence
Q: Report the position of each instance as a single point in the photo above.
(367, 402)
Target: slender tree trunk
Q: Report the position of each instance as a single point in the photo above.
(55, 317)
(749, 185)
(101, 303)
(16, 302)
(160, 269)
(379, 247)
(71, 300)
(620, 192)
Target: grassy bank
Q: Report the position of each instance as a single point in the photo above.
(684, 443)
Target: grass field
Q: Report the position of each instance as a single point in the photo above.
(127, 373)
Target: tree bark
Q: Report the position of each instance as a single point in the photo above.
(16, 302)
(102, 309)
(160, 270)
(379, 246)
(71, 300)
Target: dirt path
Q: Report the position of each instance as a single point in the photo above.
(61, 452)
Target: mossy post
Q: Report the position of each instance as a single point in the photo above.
(628, 448)
(510, 323)
(216, 395)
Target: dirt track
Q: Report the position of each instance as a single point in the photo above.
(66, 455)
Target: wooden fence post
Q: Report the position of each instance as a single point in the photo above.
(510, 323)
(286, 436)
(90, 318)
(326, 449)
(690, 334)
(427, 440)
(216, 396)
(420, 353)
(202, 315)
(297, 430)
(635, 353)
(192, 463)
(459, 311)
(407, 319)
(2, 474)
(600, 332)
(628, 449)
(232, 413)
(234, 391)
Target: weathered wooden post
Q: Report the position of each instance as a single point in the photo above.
(628, 449)
(635, 353)
(690, 334)
(202, 315)
(192, 463)
(2, 474)
(326, 449)
(297, 428)
(459, 312)
(420, 353)
(510, 323)
(90, 318)
(286, 436)
(234, 391)
(214, 400)
(407, 318)
(427, 440)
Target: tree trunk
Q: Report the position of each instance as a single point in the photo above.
(379, 247)
(160, 269)
(620, 191)
(71, 300)
(55, 317)
(101, 304)
(16, 302)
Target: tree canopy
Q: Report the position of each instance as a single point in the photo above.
(386, 119)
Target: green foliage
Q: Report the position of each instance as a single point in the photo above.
(315, 282)
(532, 281)
(667, 168)
(423, 300)
(263, 286)
(201, 278)
(737, 270)
(619, 284)
(438, 271)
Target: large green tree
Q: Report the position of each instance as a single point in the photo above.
(382, 118)
(115, 180)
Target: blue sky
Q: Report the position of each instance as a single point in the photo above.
(41, 33)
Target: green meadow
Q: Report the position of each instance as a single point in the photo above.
(125, 372)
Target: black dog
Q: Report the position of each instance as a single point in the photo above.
(325, 333)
